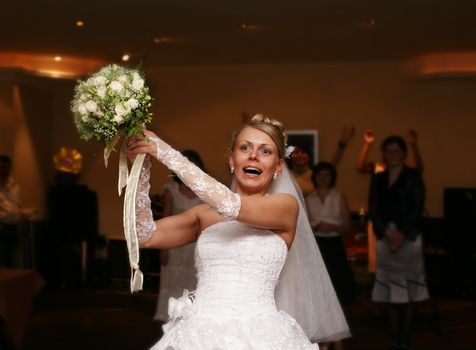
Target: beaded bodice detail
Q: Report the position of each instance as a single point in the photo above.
(238, 267)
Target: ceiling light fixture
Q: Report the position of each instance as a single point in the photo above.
(246, 27)
(79, 23)
(125, 57)
(58, 58)
(164, 40)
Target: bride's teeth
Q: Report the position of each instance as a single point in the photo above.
(252, 171)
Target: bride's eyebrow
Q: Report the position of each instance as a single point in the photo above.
(259, 144)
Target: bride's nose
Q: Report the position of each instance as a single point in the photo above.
(254, 153)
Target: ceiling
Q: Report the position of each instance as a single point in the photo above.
(178, 32)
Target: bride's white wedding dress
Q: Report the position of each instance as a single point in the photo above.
(234, 306)
(238, 266)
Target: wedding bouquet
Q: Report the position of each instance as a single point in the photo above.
(113, 102)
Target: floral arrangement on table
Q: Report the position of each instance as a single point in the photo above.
(111, 105)
(113, 102)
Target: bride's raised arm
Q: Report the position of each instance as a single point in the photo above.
(271, 212)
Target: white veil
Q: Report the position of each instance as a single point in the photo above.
(305, 290)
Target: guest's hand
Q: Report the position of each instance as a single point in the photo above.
(369, 136)
(395, 238)
(347, 134)
(412, 137)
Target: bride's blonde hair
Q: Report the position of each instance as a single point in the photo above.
(270, 127)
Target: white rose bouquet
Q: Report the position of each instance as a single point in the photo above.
(112, 102)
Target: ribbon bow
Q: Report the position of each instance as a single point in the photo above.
(179, 308)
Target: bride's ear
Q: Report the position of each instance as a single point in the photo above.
(280, 166)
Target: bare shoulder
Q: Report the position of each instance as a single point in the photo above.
(285, 199)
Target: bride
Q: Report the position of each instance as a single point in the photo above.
(246, 240)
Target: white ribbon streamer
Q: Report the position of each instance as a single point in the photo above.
(123, 170)
(129, 217)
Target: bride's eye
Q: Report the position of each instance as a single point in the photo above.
(266, 151)
(245, 148)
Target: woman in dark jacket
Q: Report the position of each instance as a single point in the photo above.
(396, 203)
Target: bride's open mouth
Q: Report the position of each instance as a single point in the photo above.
(252, 171)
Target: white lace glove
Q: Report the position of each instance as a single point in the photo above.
(145, 223)
(215, 194)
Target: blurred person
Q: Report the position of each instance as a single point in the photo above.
(329, 217)
(396, 204)
(70, 201)
(366, 167)
(10, 215)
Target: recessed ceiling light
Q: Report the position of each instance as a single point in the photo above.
(371, 23)
(165, 40)
(247, 27)
(58, 58)
(125, 57)
(79, 23)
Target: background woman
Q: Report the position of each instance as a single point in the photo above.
(329, 216)
(396, 203)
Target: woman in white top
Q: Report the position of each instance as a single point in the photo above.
(329, 217)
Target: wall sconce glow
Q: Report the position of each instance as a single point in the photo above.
(447, 64)
(125, 57)
(79, 23)
(45, 65)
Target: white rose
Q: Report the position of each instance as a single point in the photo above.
(85, 118)
(91, 106)
(83, 97)
(99, 80)
(137, 84)
(82, 109)
(98, 114)
(132, 103)
(116, 86)
(118, 119)
(121, 111)
(122, 79)
(102, 91)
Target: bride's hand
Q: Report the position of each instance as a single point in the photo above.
(138, 145)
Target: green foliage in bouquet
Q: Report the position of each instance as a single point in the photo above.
(114, 101)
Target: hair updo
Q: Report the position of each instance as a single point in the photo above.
(270, 127)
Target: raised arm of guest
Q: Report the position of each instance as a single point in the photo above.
(363, 165)
(412, 139)
(346, 136)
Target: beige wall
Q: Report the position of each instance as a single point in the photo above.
(25, 118)
(197, 107)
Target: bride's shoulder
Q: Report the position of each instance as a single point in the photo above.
(285, 199)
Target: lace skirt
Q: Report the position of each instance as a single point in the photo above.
(400, 276)
(190, 330)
